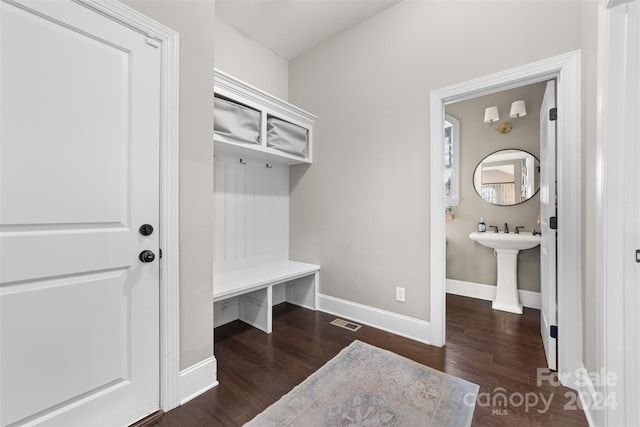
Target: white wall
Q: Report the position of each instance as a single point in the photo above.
(252, 213)
(249, 61)
(194, 20)
(361, 210)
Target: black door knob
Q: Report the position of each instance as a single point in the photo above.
(146, 229)
(147, 256)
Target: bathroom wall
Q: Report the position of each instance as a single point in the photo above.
(245, 59)
(194, 20)
(361, 210)
(467, 260)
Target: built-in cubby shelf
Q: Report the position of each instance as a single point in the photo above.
(268, 106)
(256, 136)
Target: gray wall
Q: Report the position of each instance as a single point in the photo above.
(366, 196)
(194, 20)
(589, 116)
(245, 59)
(361, 210)
(466, 259)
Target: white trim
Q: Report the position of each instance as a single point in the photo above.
(398, 324)
(617, 204)
(566, 69)
(169, 202)
(586, 388)
(569, 252)
(608, 4)
(197, 379)
(169, 229)
(437, 239)
(229, 86)
(488, 292)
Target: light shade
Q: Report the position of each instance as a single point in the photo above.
(518, 109)
(491, 115)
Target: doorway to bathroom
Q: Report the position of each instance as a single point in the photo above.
(565, 70)
(494, 182)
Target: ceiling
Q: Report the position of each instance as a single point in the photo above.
(290, 27)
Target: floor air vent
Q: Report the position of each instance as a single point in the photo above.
(346, 325)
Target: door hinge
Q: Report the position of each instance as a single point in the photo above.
(553, 331)
(160, 253)
(553, 223)
(637, 255)
(553, 114)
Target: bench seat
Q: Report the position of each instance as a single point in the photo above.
(233, 283)
(247, 294)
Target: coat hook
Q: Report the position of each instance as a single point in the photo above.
(269, 166)
(243, 162)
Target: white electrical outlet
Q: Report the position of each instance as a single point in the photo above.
(399, 294)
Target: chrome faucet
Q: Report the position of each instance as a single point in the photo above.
(518, 229)
(494, 226)
(506, 228)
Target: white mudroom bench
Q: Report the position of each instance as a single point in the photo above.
(249, 294)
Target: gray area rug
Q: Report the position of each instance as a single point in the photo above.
(367, 386)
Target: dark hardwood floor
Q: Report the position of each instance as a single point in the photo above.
(498, 351)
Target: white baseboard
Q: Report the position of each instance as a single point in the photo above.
(197, 379)
(408, 327)
(488, 292)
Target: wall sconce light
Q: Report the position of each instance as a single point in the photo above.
(491, 116)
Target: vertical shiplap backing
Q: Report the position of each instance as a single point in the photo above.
(251, 213)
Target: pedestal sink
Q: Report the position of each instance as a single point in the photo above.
(506, 247)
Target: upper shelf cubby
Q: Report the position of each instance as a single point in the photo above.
(254, 124)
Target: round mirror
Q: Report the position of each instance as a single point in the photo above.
(507, 177)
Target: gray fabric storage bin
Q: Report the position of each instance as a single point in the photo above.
(234, 122)
(287, 137)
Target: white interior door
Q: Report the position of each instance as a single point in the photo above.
(548, 313)
(79, 311)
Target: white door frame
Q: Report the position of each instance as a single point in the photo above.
(167, 41)
(566, 69)
(616, 224)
